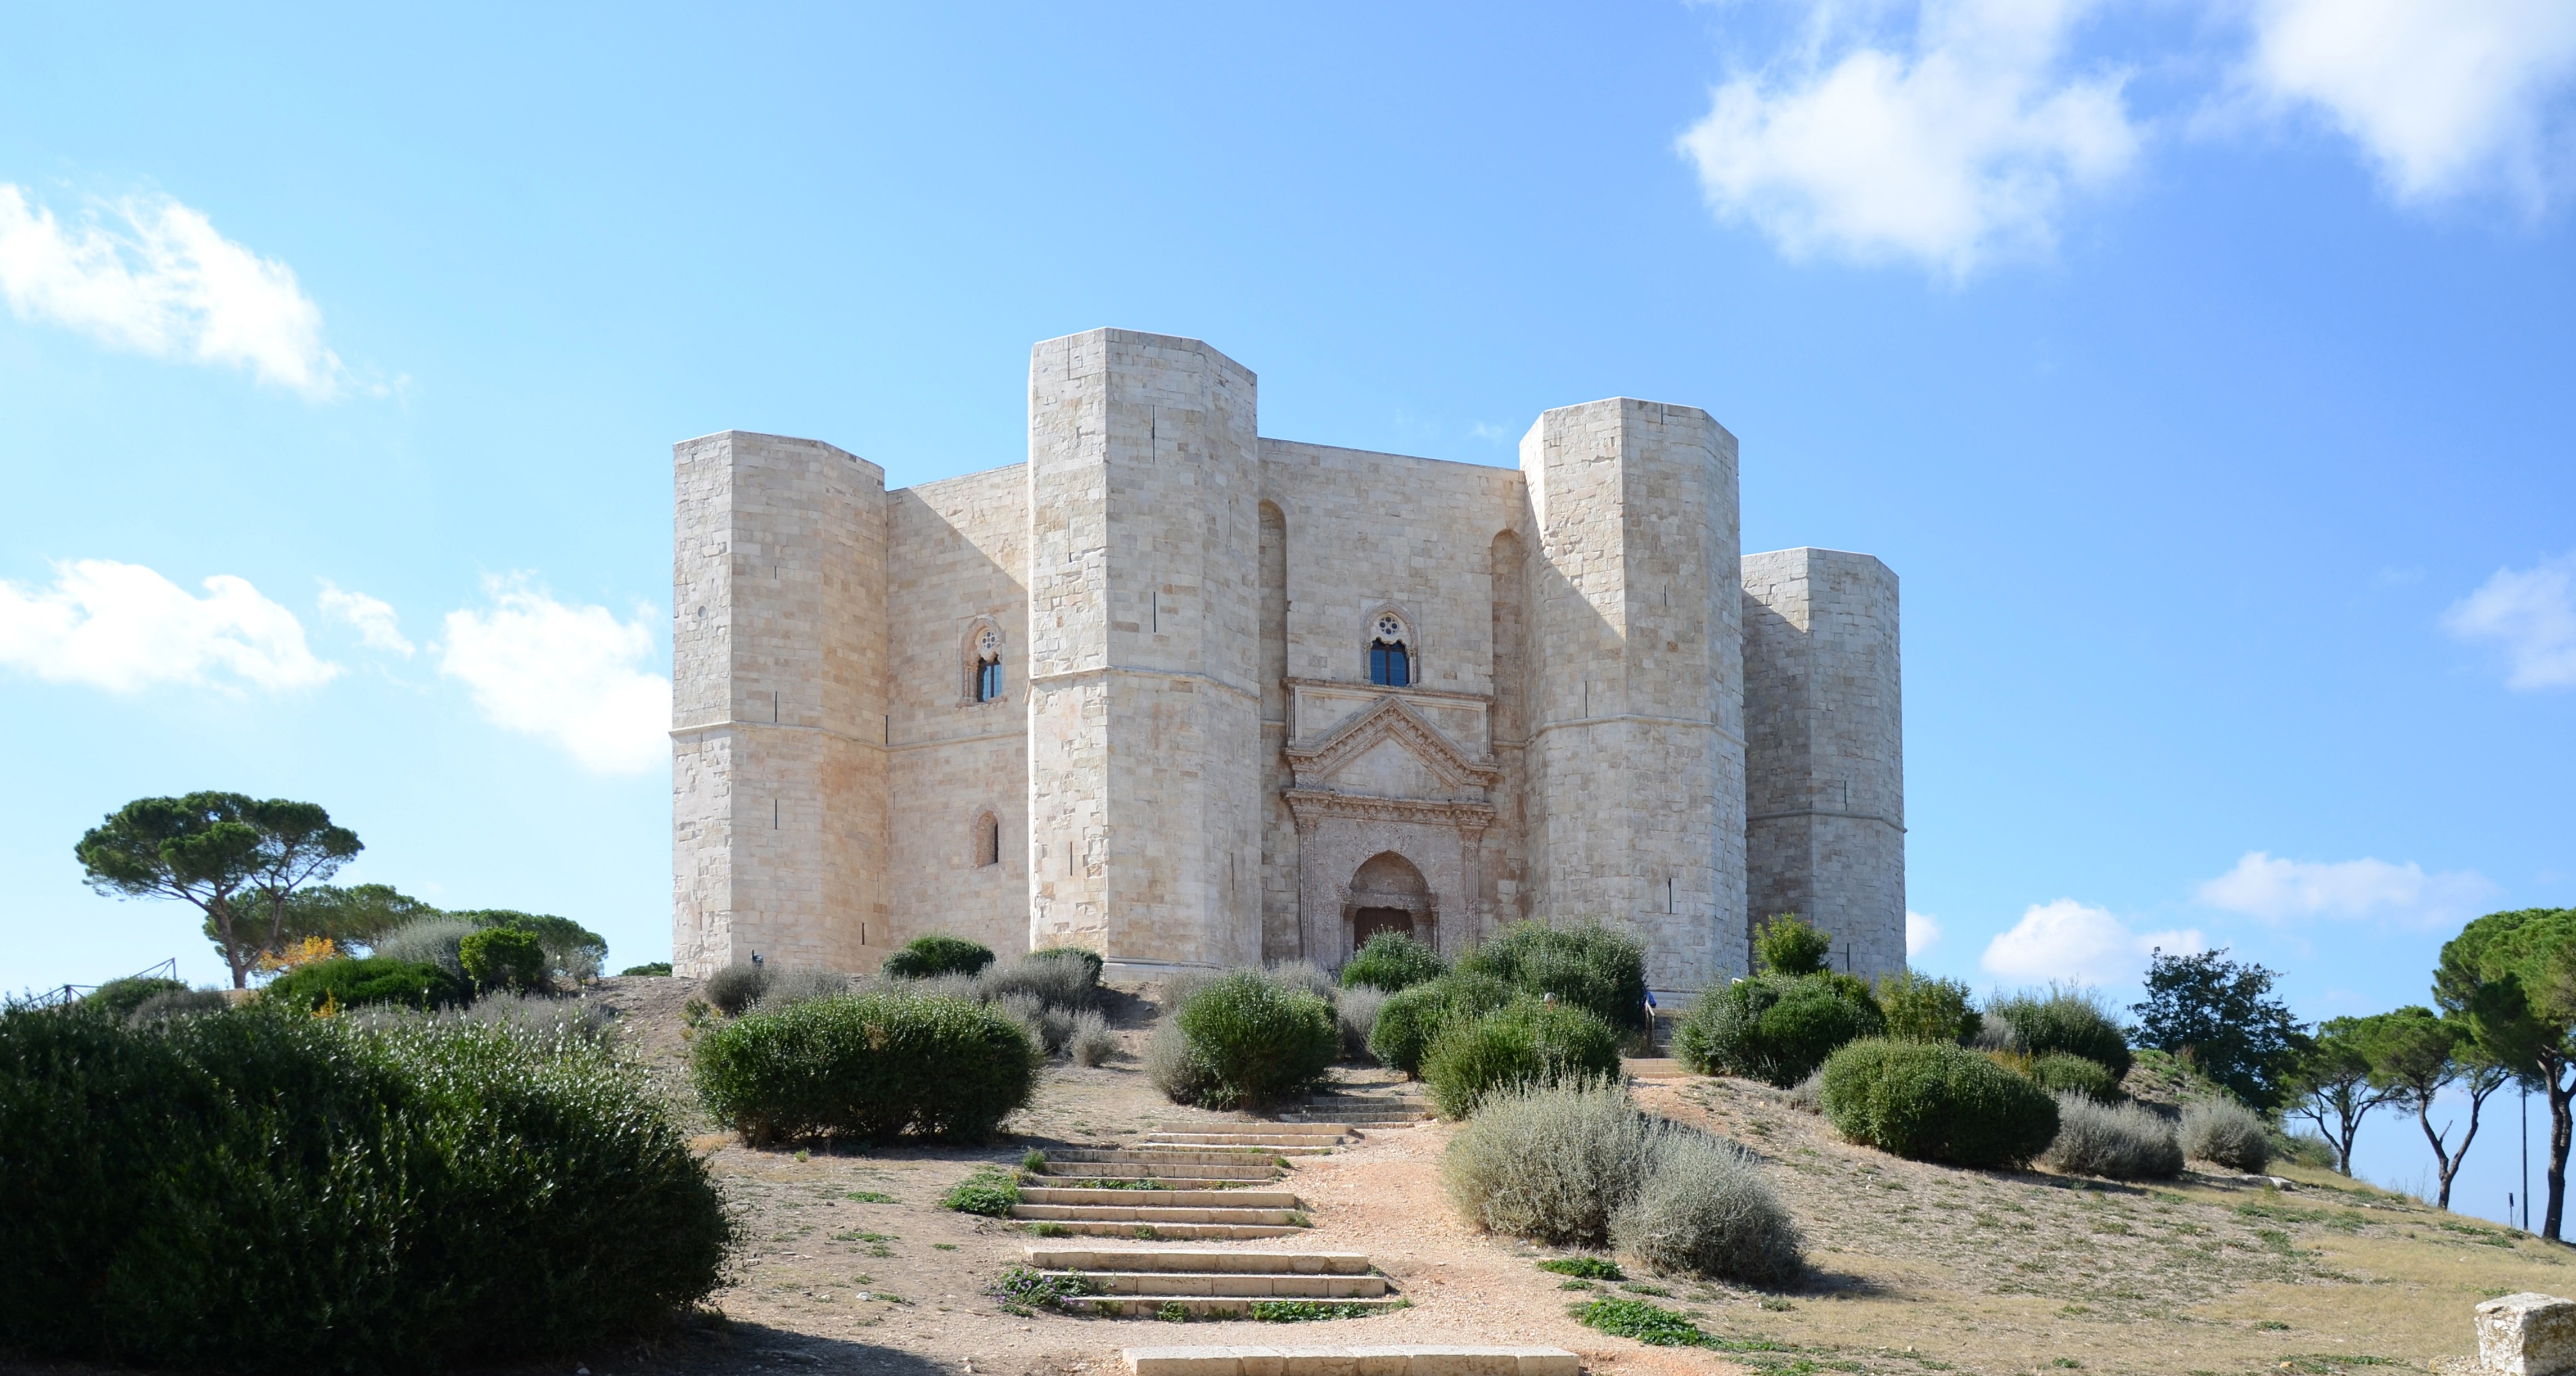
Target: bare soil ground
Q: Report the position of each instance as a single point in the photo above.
(1919, 1268)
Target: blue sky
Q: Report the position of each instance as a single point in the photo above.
(2200, 367)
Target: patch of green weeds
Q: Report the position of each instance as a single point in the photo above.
(1174, 1312)
(870, 1196)
(1303, 1311)
(1049, 1230)
(1651, 1324)
(1638, 1287)
(1031, 1288)
(989, 1192)
(1589, 1268)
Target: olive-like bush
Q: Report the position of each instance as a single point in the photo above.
(1590, 967)
(1173, 1067)
(428, 940)
(1789, 946)
(122, 996)
(735, 988)
(180, 1003)
(2063, 1071)
(1523, 1042)
(2122, 1142)
(371, 980)
(260, 1190)
(2226, 1133)
(1355, 1012)
(797, 984)
(1093, 1044)
(1092, 964)
(1392, 961)
(503, 958)
(1933, 1101)
(1920, 1008)
(1551, 1164)
(2065, 1018)
(1259, 1038)
(1775, 1028)
(1407, 1021)
(1703, 1209)
(938, 954)
(1578, 1166)
(1066, 978)
(872, 1066)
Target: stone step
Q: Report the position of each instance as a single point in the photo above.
(1355, 1119)
(1284, 1144)
(1134, 1213)
(1170, 1199)
(1180, 1155)
(1234, 1284)
(1083, 1173)
(1394, 1360)
(1195, 1260)
(1170, 1232)
(1198, 1306)
(1265, 1127)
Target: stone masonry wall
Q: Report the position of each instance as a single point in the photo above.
(1825, 777)
(959, 554)
(778, 794)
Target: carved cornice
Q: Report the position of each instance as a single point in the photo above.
(1311, 806)
(1391, 718)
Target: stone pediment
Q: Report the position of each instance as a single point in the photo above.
(1389, 750)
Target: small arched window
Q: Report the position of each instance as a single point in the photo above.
(986, 670)
(988, 840)
(1390, 658)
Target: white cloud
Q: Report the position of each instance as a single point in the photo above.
(1949, 148)
(373, 618)
(2067, 940)
(2443, 95)
(572, 675)
(2283, 890)
(157, 279)
(1922, 933)
(2532, 614)
(123, 627)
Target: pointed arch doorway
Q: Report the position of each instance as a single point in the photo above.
(1388, 894)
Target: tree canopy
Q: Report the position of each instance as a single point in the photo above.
(2511, 976)
(2220, 1014)
(238, 859)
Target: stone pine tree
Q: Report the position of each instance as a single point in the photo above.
(2511, 976)
(237, 859)
(2330, 1082)
(2417, 1053)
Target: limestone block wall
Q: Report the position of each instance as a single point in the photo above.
(1636, 764)
(1143, 489)
(1825, 773)
(957, 568)
(778, 696)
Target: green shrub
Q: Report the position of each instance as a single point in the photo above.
(1523, 1042)
(256, 1190)
(1703, 1209)
(1920, 1008)
(2123, 1142)
(1061, 978)
(650, 969)
(120, 997)
(1407, 1021)
(2227, 1133)
(871, 1066)
(374, 979)
(1392, 961)
(1789, 946)
(735, 988)
(990, 1191)
(1174, 1067)
(502, 958)
(2061, 1071)
(938, 954)
(1651, 1324)
(1261, 1040)
(572, 951)
(1590, 967)
(2065, 1018)
(1586, 1268)
(1775, 1028)
(1932, 1101)
(1091, 961)
(1551, 1164)
(180, 1003)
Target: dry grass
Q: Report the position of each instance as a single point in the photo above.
(2012, 1271)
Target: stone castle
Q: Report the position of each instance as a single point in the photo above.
(1189, 696)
